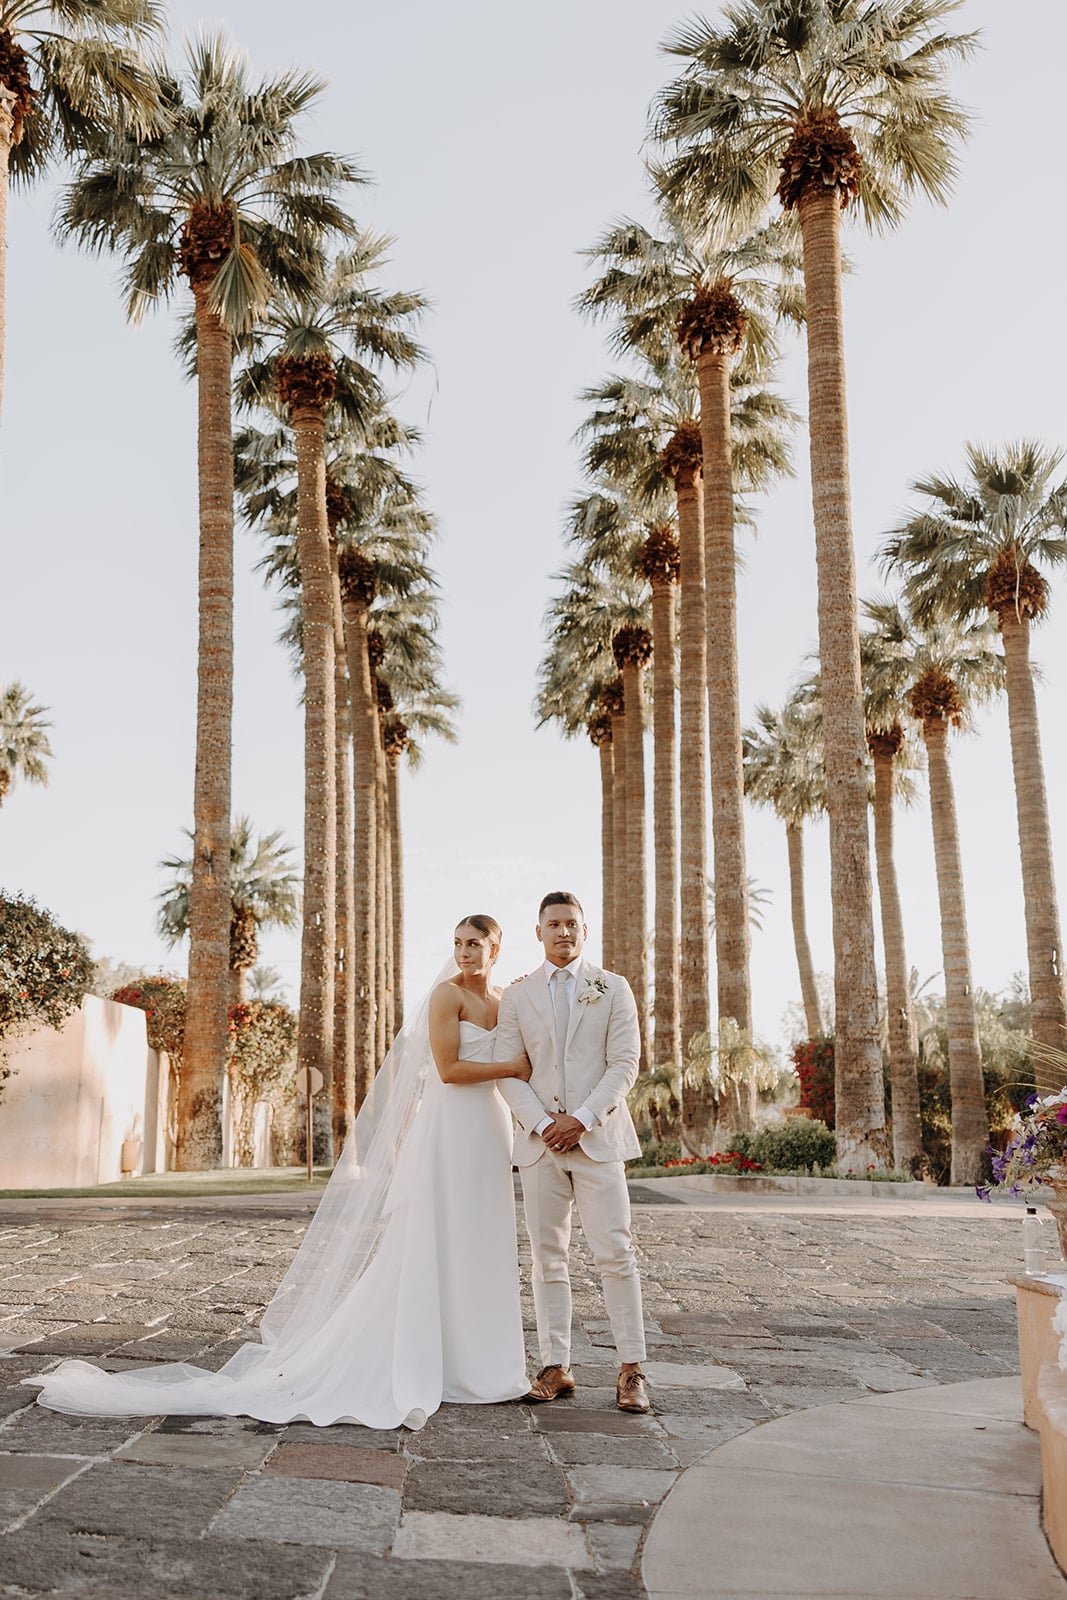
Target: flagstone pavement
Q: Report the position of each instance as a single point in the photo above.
(753, 1314)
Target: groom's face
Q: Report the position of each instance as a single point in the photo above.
(562, 932)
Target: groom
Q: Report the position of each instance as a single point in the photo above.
(578, 1025)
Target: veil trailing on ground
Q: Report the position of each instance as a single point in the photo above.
(269, 1379)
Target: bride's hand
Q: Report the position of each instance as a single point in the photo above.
(523, 1069)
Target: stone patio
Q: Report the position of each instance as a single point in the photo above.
(752, 1316)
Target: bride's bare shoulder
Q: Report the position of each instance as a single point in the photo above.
(446, 998)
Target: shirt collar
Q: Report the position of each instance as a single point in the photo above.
(571, 968)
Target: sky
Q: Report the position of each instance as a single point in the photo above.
(502, 140)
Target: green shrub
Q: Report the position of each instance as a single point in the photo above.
(794, 1144)
(45, 970)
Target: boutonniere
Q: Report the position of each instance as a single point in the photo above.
(592, 990)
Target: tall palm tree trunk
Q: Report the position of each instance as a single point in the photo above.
(970, 1123)
(1043, 945)
(667, 1049)
(809, 989)
(694, 951)
(903, 1059)
(344, 994)
(732, 932)
(396, 881)
(636, 891)
(621, 848)
(601, 736)
(364, 845)
(861, 1131)
(8, 101)
(383, 1037)
(199, 1142)
(315, 1032)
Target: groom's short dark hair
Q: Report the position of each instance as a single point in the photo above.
(559, 897)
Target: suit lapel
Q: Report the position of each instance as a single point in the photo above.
(537, 984)
(582, 976)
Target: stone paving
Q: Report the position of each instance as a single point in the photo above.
(750, 1317)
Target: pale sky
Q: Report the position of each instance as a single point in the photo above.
(502, 140)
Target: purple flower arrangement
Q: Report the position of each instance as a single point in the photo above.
(1036, 1145)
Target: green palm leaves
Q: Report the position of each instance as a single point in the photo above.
(24, 746)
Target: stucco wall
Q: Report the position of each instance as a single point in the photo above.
(75, 1095)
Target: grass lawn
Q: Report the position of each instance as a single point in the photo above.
(176, 1185)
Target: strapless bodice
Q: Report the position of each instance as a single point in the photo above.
(475, 1043)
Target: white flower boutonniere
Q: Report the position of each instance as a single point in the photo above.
(592, 990)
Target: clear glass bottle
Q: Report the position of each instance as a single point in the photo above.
(1033, 1247)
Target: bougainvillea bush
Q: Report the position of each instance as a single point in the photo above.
(162, 1000)
(261, 1066)
(814, 1061)
(45, 970)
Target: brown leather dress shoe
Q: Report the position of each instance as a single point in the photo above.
(630, 1392)
(551, 1383)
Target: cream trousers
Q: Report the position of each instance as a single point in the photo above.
(550, 1188)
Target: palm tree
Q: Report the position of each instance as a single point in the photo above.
(411, 668)
(264, 891)
(820, 104)
(939, 674)
(784, 771)
(658, 564)
(68, 70)
(658, 287)
(24, 746)
(309, 356)
(220, 198)
(976, 546)
(571, 688)
(583, 622)
(889, 748)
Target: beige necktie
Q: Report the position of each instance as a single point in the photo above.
(561, 1002)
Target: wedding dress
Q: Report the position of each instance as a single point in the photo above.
(404, 1292)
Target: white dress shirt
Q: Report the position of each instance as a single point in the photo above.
(570, 978)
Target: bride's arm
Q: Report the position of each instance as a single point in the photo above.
(444, 1042)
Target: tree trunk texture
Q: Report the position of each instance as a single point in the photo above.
(238, 986)
(861, 1132)
(666, 1048)
(364, 852)
(903, 1057)
(732, 932)
(633, 678)
(607, 850)
(199, 1142)
(7, 102)
(383, 1037)
(396, 879)
(621, 848)
(1048, 1021)
(970, 1123)
(809, 989)
(344, 993)
(694, 951)
(315, 1036)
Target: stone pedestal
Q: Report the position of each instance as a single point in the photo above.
(1052, 1419)
(1036, 1300)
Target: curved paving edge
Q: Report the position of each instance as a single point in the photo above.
(891, 1497)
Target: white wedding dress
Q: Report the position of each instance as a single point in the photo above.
(399, 1299)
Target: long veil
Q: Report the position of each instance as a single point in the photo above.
(338, 1247)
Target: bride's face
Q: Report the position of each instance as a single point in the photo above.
(475, 952)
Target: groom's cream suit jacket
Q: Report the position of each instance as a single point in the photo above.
(599, 1066)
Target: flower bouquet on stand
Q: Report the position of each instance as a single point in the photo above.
(1035, 1158)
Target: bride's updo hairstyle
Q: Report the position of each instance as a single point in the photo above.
(488, 926)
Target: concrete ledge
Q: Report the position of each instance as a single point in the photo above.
(883, 1498)
(771, 1183)
(1036, 1300)
(1052, 1420)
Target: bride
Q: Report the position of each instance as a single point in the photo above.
(405, 1290)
